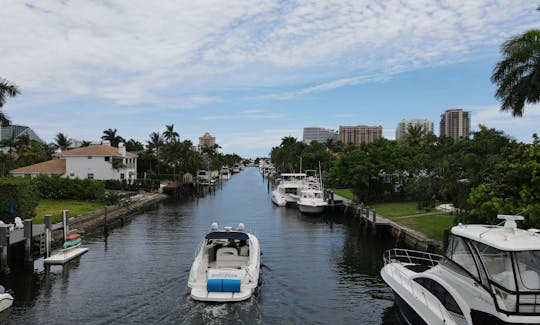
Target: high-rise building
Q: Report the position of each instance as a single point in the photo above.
(359, 134)
(455, 123)
(206, 140)
(315, 133)
(403, 126)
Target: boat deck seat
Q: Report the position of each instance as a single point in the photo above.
(228, 257)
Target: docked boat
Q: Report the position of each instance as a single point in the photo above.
(311, 201)
(289, 188)
(6, 300)
(236, 168)
(226, 267)
(225, 173)
(488, 275)
(203, 177)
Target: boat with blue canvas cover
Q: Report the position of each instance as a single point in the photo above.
(226, 267)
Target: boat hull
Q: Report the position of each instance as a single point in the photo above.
(65, 255)
(201, 294)
(6, 300)
(310, 209)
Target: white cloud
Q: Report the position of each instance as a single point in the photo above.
(127, 51)
(520, 128)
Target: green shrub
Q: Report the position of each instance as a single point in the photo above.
(59, 188)
(22, 194)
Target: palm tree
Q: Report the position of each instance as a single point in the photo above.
(518, 74)
(156, 143)
(7, 89)
(169, 134)
(62, 142)
(85, 143)
(415, 135)
(111, 136)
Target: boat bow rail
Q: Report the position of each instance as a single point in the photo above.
(411, 256)
(414, 289)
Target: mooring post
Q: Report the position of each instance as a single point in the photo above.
(446, 236)
(374, 222)
(106, 223)
(65, 217)
(28, 258)
(4, 244)
(48, 234)
(367, 213)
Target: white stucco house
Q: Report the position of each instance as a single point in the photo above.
(100, 162)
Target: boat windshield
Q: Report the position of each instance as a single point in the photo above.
(528, 268)
(498, 265)
(514, 278)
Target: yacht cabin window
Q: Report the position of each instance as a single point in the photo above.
(444, 297)
(459, 253)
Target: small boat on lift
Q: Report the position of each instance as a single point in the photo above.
(226, 267)
(72, 249)
(488, 275)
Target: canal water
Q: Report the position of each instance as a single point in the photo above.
(318, 270)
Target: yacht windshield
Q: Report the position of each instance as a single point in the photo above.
(498, 265)
(528, 267)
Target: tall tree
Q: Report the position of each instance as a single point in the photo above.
(62, 142)
(7, 89)
(518, 75)
(111, 136)
(169, 134)
(415, 135)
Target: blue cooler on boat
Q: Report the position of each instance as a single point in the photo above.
(230, 285)
(223, 285)
(214, 285)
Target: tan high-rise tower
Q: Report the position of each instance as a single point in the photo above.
(455, 123)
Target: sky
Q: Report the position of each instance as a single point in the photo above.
(252, 72)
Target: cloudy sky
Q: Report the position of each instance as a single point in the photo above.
(251, 72)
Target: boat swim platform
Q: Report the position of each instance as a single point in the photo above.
(65, 255)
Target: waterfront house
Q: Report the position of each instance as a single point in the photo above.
(101, 162)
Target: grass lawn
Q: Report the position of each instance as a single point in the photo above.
(344, 192)
(55, 208)
(432, 226)
(396, 209)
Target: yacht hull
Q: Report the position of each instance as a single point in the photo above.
(310, 209)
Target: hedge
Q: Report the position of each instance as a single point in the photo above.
(59, 188)
(19, 197)
(132, 185)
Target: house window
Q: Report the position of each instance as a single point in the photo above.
(90, 176)
(107, 158)
(89, 157)
(122, 176)
(71, 174)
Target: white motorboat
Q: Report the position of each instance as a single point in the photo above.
(488, 275)
(311, 201)
(203, 177)
(6, 300)
(289, 189)
(236, 168)
(225, 173)
(226, 267)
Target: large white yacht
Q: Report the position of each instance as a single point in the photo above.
(289, 188)
(226, 267)
(488, 275)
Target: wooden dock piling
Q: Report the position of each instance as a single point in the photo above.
(28, 241)
(4, 244)
(48, 234)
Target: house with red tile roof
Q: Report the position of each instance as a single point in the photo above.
(101, 162)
